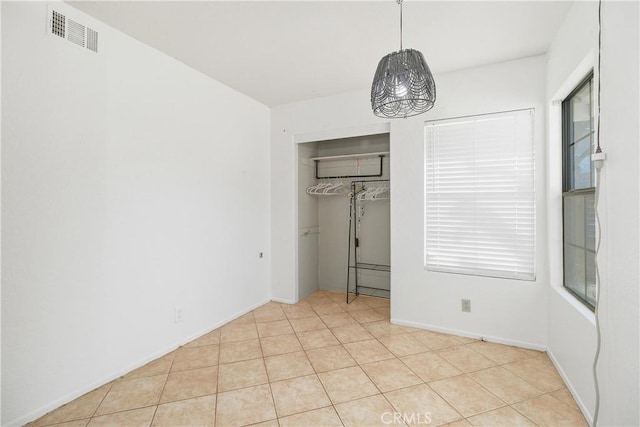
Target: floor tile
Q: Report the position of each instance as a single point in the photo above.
(330, 308)
(384, 312)
(505, 384)
(390, 375)
(200, 411)
(547, 411)
(160, 366)
(354, 305)
(83, 407)
(337, 319)
(299, 395)
(351, 333)
(195, 357)
(501, 353)
(505, 416)
(364, 316)
(539, 371)
(289, 365)
(245, 406)
(77, 423)
(270, 423)
(326, 417)
(422, 402)
(298, 311)
(383, 328)
(330, 358)
(134, 418)
(307, 324)
(132, 394)
(317, 339)
(367, 412)
(238, 332)
(271, 329)
(347, 384)
(465, 359)
(466, 396)
(338, 297)
(564, 396)
(368, 351)
(248, 373)
(211, 338)
(459, 423)
(317, 299)
(375, 302)
(269, 315)
(189, 384)
(280, 344)
(403, 345)
(436, 340)
(430, 367)
(240, 350)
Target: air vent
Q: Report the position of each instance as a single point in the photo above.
(58, 22)
(92, 40)
(73, 31)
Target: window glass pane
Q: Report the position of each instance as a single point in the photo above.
(581, 113)
(579, 245)
(575, 271)
(581, 164)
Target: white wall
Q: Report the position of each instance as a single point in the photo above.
(572, 327)
(131, 184)
(571, 333)
(620, 136)
(502, 310)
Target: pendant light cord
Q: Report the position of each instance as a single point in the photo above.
(599, 165)
(400, 3)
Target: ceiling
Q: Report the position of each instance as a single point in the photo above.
(287, 51)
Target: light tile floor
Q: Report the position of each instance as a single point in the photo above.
(322, 362)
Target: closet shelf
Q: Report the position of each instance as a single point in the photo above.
(351, 156)
(356, 157)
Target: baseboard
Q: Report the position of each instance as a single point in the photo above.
(583, 408)
(43, 410)
(283, 301)
(467, 334)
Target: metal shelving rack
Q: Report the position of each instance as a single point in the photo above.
(354, 237)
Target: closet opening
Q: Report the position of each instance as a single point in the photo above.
(344, 192)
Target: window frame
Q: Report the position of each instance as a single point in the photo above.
(567, 175)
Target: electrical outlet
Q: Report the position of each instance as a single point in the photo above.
(466, 305)
(179, 314)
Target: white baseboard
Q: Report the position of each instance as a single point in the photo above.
(283, 301)
(467, 334)
(43, 410)
(583, 408)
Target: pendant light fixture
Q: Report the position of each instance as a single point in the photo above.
(403, 85)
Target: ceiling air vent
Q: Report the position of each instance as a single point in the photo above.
(92, 40)
(73, 31)
(58, 22)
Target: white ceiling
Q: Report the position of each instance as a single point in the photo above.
(287, 51)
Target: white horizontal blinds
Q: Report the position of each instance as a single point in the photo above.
(479, 195)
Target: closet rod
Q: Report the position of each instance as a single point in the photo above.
(351, 156)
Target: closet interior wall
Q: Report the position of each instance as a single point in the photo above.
(323, 221)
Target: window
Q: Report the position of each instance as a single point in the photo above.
(579, 228)
(480, 196)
